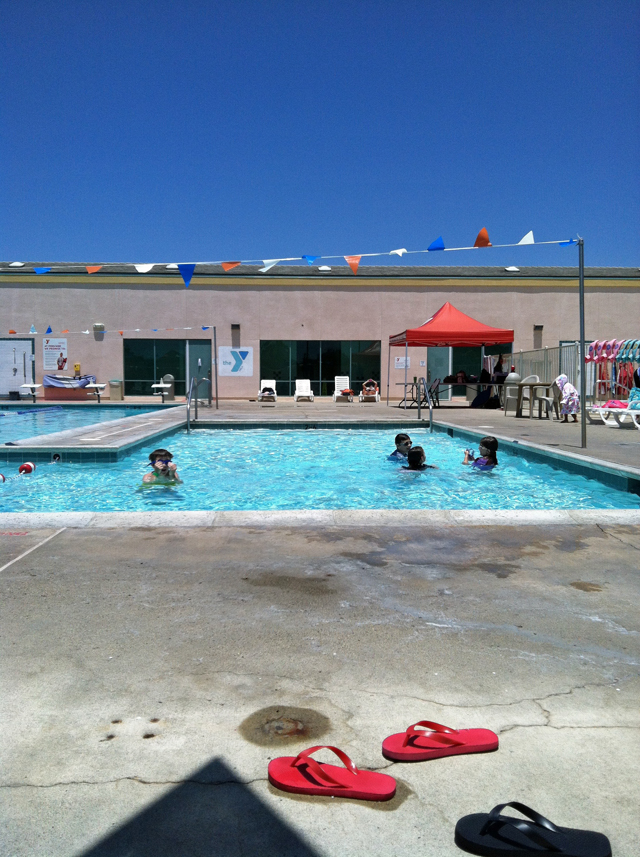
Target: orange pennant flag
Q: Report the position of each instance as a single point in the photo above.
(13, 331)
(65, 331)
(121, 332)
(483, 239)
(91, 269)
(353, 262)
(229, 265)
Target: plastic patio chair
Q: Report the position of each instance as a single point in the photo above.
(341, 383)
(303, 390)
(550, 403)
(267, 397)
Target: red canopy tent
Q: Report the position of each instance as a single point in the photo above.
(448, 326)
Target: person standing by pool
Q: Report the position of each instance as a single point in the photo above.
(403, 445)
(488, 454)
(164, 471)
(570, 400)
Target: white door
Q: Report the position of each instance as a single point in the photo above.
(15, 365)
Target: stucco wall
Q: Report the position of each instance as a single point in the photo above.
(349, 308)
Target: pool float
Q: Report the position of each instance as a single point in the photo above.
(27, 467)
(599, 356)
(608, 348)
(591, 352)
(617, 345)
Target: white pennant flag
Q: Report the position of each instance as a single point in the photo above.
(528, 239)
(143, 269)
(398, 252)
(268, 265)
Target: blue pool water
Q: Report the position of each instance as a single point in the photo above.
(297, 469)
(20, 423)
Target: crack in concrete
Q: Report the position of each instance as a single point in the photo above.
(138, 780)
(617, 538)
(558, 728)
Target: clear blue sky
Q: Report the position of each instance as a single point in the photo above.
(149, 131)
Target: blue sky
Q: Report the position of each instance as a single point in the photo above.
(150, 131)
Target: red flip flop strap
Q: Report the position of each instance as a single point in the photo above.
(305, 757)
(439, 734)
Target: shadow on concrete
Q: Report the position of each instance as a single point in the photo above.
(211, 815)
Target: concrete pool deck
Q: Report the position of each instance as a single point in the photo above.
(149, 674)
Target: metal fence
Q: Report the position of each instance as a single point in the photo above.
(548, 363)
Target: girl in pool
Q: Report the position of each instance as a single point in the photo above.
(488, 455)
(416, 460)
(164, 470)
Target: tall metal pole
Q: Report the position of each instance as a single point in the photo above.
(406, 356)
(388, 373)
(215, 363)
(583, 374)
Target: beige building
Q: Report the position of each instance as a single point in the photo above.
(289, 322)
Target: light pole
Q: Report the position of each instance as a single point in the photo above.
(583, 365)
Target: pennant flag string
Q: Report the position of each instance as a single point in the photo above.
(187, 269)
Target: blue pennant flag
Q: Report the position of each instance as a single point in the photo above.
(154, 329)
(568, 243)
(42, 270)
(206, 328)
(438, 244)
(33, 329)
(310, 259)
(48, 330)
(187, 273)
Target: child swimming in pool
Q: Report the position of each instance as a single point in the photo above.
(164, 470)
(416, 460)
(488, 458)
(403, 445)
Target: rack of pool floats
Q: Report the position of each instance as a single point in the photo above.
(615, 359)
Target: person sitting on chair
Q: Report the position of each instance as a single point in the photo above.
(370, 388)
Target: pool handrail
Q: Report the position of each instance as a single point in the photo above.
(189, 397)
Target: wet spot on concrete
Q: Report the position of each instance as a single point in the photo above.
(376, 559)
(402, 793)
(291, 583)
(502, 570)
(583, 586)
(278, 726)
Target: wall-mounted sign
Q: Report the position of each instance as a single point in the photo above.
(402, 362)
(235, 361)
(54, 354)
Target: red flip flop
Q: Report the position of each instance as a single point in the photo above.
(303, 775)
(416, 745)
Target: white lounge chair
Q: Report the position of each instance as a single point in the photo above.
(370, 395)
(303, 390)
(341, 383)
(267, 397)
(613, 417)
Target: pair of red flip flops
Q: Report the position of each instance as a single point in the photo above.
(302, 774)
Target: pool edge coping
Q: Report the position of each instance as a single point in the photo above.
(337, 518)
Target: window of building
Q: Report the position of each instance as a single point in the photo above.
(319, 361)
(148, 360)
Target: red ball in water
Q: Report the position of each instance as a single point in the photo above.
(2, 479)
(27, 467)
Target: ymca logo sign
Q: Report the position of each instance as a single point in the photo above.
(235, 361)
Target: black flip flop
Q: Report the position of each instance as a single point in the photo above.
(497, 835)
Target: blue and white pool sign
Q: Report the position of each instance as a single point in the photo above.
(235, 361)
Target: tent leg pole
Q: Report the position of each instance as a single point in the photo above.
(388, 373)
(406, 354)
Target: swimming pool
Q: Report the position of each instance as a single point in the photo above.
(21, 423)
(262, 469)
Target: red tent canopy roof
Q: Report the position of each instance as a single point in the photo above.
(449, 326)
